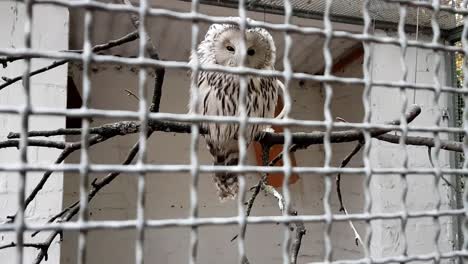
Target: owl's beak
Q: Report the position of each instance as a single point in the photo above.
(236, 62)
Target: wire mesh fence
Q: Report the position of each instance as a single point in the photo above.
(150, 119)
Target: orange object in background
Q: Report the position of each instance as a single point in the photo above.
(276, 179)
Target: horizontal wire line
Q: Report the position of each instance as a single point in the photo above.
(207, 221)
(175, 168)
(148, 62)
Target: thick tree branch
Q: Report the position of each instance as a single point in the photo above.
(307, 139)
(297, 242)
(302, 140)
(14, 143)
(113, 43)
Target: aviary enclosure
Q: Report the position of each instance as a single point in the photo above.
(102, 162)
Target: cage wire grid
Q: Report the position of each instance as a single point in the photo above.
(140, 168)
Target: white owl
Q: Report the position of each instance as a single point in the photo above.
(219, 92)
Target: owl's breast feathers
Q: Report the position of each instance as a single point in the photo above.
(219, 96)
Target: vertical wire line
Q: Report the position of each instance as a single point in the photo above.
(416, 59)
(464, 41)
(437, 92)
(142, 141)
(242, 132)
(194, 169)
(287, 73)
(84, 159)
(403, 42)
(328, 127)
(367, 63)
(23, 141)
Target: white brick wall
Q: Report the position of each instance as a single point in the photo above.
(50, 32)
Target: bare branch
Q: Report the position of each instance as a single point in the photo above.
(429, 154)
(113, 43)
(121, 128)
(257, 187)
(302, 140)
(71, 211)
(55, 217)
(150, 48)
(296, 245)
(423, 141)
(69, 149)
(307, 139)
(346, 160)
(14, 143)
(40, 246)
(130, 93)
(68, 213)
(10, 81)
(300, 228)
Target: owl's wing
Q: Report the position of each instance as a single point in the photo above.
(283, 91)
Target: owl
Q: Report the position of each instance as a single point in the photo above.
(219, 93)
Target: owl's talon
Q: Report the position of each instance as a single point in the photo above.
(268, 130)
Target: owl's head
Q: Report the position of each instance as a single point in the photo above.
(222, 45)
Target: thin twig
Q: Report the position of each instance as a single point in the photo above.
(257, 187)
(113, 43)
(97, 186)
(429, 154)
(153, 54)
(69, 149)
(357, 237)
(150, 47)
(346, 160)
(40, 246)
(300, 227)
(130, 93)
(57, 216)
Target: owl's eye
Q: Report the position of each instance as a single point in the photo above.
(251, 52)
(230, 48)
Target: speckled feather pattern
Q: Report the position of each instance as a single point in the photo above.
(219, 96)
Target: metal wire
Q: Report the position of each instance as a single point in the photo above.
(84, 158)
(328, 79)
(194, 172)
(142, 141)
(23, 147)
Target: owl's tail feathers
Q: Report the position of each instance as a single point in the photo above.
(226, 182)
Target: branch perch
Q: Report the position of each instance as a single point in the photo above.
(302, 140)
